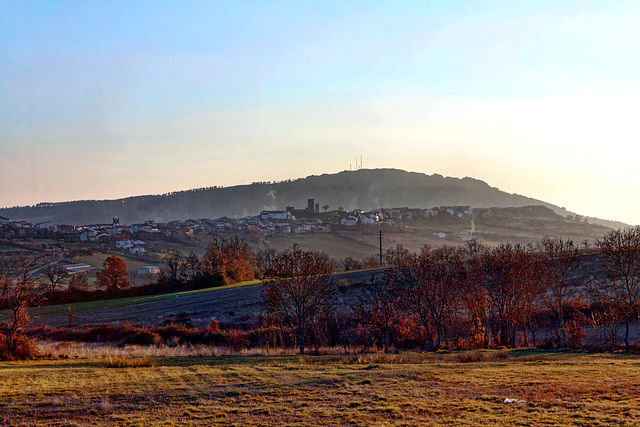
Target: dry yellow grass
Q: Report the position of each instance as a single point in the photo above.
(405, 389)
(129, 362)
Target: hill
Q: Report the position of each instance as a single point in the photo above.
(364, 189)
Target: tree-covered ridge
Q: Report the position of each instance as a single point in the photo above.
(363, 189)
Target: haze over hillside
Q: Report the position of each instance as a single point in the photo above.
(364, 189)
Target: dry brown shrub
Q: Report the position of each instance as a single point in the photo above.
(236, 340)
(23, 348)
(473, 356)
(214, 327)
(143, 337)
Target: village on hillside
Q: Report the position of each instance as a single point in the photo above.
(133, 238)
(338, 232)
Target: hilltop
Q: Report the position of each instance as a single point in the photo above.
(365, 189)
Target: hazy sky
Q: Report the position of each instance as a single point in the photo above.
(112, 99)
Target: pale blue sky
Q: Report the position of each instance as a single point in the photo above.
(112, 99)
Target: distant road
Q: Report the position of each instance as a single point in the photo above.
(238, 305)
(35, 272)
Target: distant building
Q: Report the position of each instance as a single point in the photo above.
(87, 235)
(369, 219)
(124, 244)
(277, 215)
(150, 270)
(349, 221)
(138, 248)
(47, 225)
(79, 269)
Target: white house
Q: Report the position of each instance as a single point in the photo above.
(279, 215)
(138, 248)
(440, 235)
(349, 221)
(368, 220)
(147, 227)
(88, 235)
(124, 244)
(148, 270)
(283, 228)
(47, 225)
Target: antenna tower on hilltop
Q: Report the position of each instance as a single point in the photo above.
(357, 168)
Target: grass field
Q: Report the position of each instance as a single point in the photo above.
(97, 261)
(467, 389)
(83, 307)
(336, 245)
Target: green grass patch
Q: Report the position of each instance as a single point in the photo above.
(83, 307)
(97, 260)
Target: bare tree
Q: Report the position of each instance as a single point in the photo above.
(79, 282)
(349, 264)
(18, 287)
(133, 275)
(562, 290)
(171, 270)
(512, 282)
(620, 259)
(372, 261)
(302, 292)
(56, 276)
(266, 263)
(379, 305)
(395, 255)
(476, 301)
(431, 282)
(190, 267)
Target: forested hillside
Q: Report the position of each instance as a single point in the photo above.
(364, 189)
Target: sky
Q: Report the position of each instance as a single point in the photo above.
(102, 100)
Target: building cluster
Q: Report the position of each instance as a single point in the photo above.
(134, 238)
(395, 215)
(143, 272)
(128, 238)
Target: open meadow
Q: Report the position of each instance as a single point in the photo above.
(468, 389)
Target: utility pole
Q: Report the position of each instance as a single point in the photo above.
(380, 234)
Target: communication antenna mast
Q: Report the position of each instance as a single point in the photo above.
(380, 234)
(361, 161)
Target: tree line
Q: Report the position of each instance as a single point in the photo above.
(464, 297)
(471, 296)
